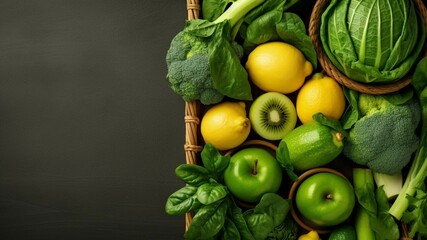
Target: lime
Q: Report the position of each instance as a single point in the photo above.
(344, 232)
(312, 145)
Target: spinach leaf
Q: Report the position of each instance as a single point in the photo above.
(211, 192)
(270, 212)
(229, 77)
(400, 97)
(212, 9)
(282, 156)
(213, 161)
(384, 225)
(208, 221)
(419, 79)
(262, 29)
(192, 174)
(291, 29)
(275, 206)
(260, 224)
(182, 201)
(267, 6)
(229, 231)
(276, 24)
(236, 215)
(351, 114)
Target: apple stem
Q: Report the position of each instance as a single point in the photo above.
(329, 196)
(339, 136)
(254, 170)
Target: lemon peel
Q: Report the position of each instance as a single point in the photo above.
(225, 125)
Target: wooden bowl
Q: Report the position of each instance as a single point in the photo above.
(300, 220)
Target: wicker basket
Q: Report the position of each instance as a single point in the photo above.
(194, 110)
(329, 68)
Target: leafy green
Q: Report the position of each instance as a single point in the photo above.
(201, 61)
(214, 162)
(192, 174)
(377, 41)
(331, 123)
(283, 158)
(216, 214)
(271, 22)
(411, 200)
(212, 9)
(416, 214)
(236, 215)
(287, 230)
(182, 201)
(374, 206)
(351, 114)
(211, 192)
(208, 220)
(270, 212)
(384, 136)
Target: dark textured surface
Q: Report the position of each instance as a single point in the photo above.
(90, 133)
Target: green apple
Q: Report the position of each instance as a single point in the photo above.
(325, 199)
(252, 172)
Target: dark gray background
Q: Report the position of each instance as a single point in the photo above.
(90, 133)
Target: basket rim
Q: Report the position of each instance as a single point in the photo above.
(332, 71)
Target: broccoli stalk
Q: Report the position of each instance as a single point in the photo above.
(202, 60)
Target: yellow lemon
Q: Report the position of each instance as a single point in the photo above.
(312, 235)
(225, 125)
(278, 67)
(320, 94)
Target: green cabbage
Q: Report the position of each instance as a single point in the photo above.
(372, 40)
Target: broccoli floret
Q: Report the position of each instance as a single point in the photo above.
(384, 138)
(190, 77)
(203, 60)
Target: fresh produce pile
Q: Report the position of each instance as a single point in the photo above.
(253, 68)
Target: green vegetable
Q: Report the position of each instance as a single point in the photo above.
(216, 214)
(362, 224)
(382, 132)
(372, 218)
(202, 62)
(271, 22)
(269, 213)
(204, 194)
(392, 184)
(287, 230)
(412, 199)
(372, 41)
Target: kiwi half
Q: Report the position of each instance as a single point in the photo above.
(272, 115)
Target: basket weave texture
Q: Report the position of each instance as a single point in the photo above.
(329, 68)
(192, 110)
